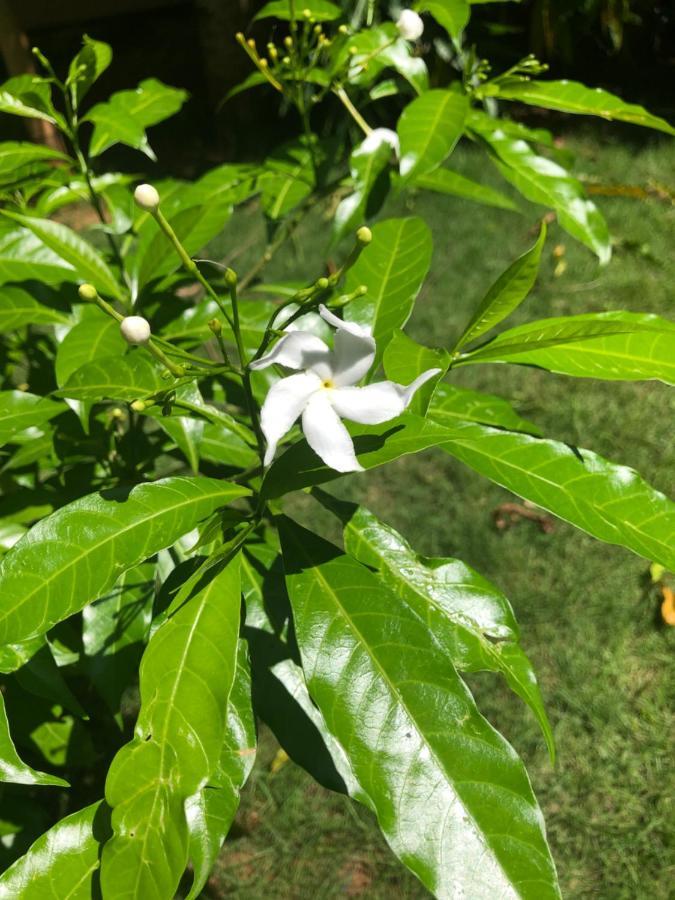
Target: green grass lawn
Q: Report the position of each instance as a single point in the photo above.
(589, 620)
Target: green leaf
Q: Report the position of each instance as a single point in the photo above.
(211, 811)
(14, 154)
(63, 862)
(186, 677)
(378, 48)
(450, 14)
(29, 96)
(507, 293)
(115, 378)
(541, 180)
(573, 97)
(74, 250)
(18, 309)
(366, 165)
(114, 632)
(393, 268)
(616, 346)
(20, 410)
(12, 767)
(24, 256)
(450, 404)
(444, 181)
(87, 67)
(96, 336)
(287, 180)
(428, 130)
(405, 359)
(124, 118)
(470, 618)
(75, 555)
(446, 787)
(185, 431)
(321, 10)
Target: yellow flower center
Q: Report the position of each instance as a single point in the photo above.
(328, 383)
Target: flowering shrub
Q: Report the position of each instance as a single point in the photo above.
(150, 444)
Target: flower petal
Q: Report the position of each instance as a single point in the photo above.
(327, 436)
(378, 402)
(354, 349)
(296, 350)
(283, 404)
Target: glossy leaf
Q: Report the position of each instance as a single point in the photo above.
(405, 359)
(185, 431)
(14, 154)
(287, 180)
(366, 168)
(393, 268)
(96, 336)
(24, 256)
(124, 118)
(619, 346)
(28, 96)
(211, 811)
(444, 181)
(470, 618)
(20, 410)
(452, 15)
(75, 555)
(72, 249)
(63, 862)
(446, 787)
(378, 48)
(573, 97)
(186, 677)
(506, 294)
(87, 66)
(428, 130)
(18, 309)
(321, 10)
(12, 768)
(115, 378)
(542, 180)
(451, 403)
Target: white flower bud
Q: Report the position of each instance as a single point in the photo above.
(410, 25)
(135, 330)
(146, 196)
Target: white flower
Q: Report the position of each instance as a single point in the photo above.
(146, 196)
(135, 330)
(376, 138)
(324, 392)
(410, 25)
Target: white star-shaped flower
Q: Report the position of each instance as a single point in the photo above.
(325, 391)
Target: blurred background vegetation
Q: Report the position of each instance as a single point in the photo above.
(589, 615)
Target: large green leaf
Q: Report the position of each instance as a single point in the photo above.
(115, 378)
(447, 789)
(393, 268)
(321, 10)
(96, 336)
(450, 14)
(470, 618)
(451, 403)
(619, 346)
(428, 130)
(573, 97)
(18, 309)
(73, 250)
(210, 812)
(20, 410)
(12, 768)
(367, 164)
(444, 181)
(405, 359)
(507, 293)
(24, 256)
(124, 118)
(370, 51)
(542, 180)
(63, 862)
(186, 677)
(29, 96)
(75, 555)
(87, 67)
(288, 178)
(14, 154)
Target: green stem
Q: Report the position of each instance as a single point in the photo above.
(342, 95)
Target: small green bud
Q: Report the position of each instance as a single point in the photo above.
(361, 290)
(307, 13)
(139, 406)
(322, 283)
(364, 235)
(230, 278)
(288, 41)
(215, 326)
(343, 29)
(87, 292)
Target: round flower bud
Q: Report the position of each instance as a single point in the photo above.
(135, 330)
(139, 406)
(321, 283)
(364, 235)
(410, 25)
(146, 196)
(87, 292)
